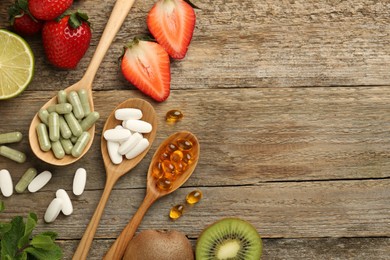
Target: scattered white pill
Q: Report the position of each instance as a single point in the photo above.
(39, 181)
(67, 207)
(6, 185)
(117, 135)
(128, 113)
(53, 210)
(79, 181)
(138, 126)
(138, 149)
(115, 156)
(125, 147)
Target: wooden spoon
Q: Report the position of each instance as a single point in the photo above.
(117, 17)
(153, 193)
(114, 172)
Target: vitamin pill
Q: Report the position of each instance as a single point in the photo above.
(6, 186)
(57, 149)
(51, 109)
(184, 145)
(66, 145)
(138, 149)
(54, 127)
(74, 100)
(173, 116)
(73, 139)
(157, 171)
(88, 122)
(130, 143)
(176, 212)
(11, 137)
(39, 181)
(176, 156)
(167, 167)
(26, 179)
(179, 167)
(73, 124)
(64, 128)
(12, 154)
(43, 137)
(117, 135)
(81, 143)
(138, 126)
(61, 97)
(63, 108)
(83, 95)
(171, 148)
(43, 115)
(164, 156)
(194, 197)
(128, 113)
(53, 210)
(79, 181)
(187, 157)
(115, 156)
(67, 207)
(164, 184)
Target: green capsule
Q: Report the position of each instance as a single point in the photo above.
(12, 154)
(57, 149)
(63, 108)
(27, 177)
(88, 122)
(67, 145)
(51, 109)
(74, 100)
(80, 145)
(73, 139)
(61, 97)
(43, 137)
(54, 126)
(73, 124)
(64, 128)
(43, 115)
(83, 95)
(11, 137)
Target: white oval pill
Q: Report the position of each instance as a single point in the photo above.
(115, 156)
(53, 210)
(138, 149)
(79, 181)
(138, 126)
(39, 181)
(125, 147)
(6, 185)
(67, 207)
(117, 135)
(128, 113)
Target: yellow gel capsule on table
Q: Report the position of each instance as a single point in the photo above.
(194, 197)
(176, 212)
(173, 116)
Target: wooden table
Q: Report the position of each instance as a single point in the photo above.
(291, 103)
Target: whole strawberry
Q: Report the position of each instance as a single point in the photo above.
(48, 9)
(21, 20)
(66, 41)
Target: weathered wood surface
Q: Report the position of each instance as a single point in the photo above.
(290, 101)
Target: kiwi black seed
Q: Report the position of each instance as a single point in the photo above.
(229, 239)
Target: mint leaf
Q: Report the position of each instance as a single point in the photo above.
(43, 242)
(31, 222)
(43, 254)
(9, 241)
(4, 228)
(52, 235)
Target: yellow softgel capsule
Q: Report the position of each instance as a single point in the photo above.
(173, 116)
(194, 197)
(176, 212)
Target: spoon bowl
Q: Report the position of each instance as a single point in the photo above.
(153, 193)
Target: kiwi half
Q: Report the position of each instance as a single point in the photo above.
(229, 239)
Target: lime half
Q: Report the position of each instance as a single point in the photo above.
(16, 64)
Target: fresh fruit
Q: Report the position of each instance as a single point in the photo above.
(146, 65)
(48, 9)
(229, 238)
(16, 64)
(161, 245)
(21, 20)
(172, 23)
(65, 42)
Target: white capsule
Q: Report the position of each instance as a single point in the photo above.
(119, 127)
(67, 207)
(138, 126)
(117, 135)
(53, 210)
(128, 113)
(6, 185)
(115, 156)
(138, 149)
(79, 181)
(125, 147)
(39, 181)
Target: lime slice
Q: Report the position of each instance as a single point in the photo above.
(16, 64)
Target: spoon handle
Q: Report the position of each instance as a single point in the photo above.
(117, 249)
(117, 17)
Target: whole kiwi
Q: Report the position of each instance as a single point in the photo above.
(161, 245)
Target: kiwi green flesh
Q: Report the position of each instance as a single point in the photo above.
(229, 239)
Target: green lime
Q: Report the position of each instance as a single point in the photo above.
(16, 64)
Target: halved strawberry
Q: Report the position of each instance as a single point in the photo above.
(146, 65)
(172, 23)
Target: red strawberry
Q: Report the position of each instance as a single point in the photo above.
(172, 23)
(21, 20)
(65, 42)
(48, 9)
(146, 65)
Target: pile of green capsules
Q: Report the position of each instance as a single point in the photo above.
(64, 126)
(8, 152)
